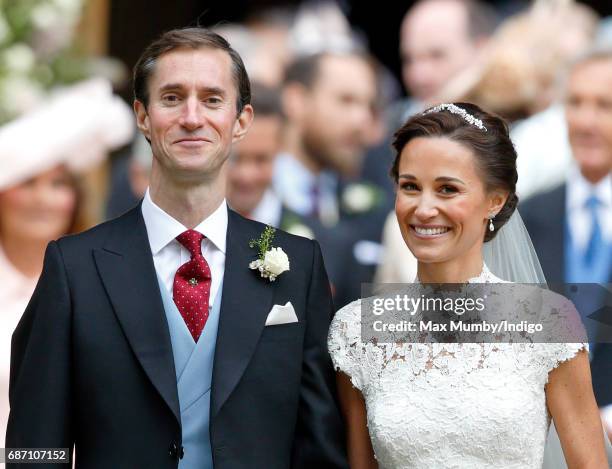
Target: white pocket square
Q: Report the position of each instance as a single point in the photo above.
(280, 314)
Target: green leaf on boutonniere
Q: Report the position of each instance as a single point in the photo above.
(264, 243)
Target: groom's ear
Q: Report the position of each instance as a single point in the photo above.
(243, 123)
(142, 119)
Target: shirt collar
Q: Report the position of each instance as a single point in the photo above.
(162, 228)
(292, 173)
(579, 190)
(268, 209)
(293, 181)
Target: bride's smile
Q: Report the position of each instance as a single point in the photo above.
(429, 231)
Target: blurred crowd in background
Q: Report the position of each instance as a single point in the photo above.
(317, 158)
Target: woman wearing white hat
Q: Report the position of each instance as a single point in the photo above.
(41, 156)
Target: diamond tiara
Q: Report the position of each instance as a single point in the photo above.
(453, 109)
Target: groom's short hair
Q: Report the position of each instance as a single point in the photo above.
(193, 38)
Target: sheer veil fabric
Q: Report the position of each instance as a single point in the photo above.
(511, 255)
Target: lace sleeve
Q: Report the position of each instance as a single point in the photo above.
(344, 343)
(566, 335)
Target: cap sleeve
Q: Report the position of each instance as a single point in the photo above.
(565, 335)
(345, 345)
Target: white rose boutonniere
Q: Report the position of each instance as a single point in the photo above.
(272, 261)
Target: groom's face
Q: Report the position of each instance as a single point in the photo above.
(191, 118)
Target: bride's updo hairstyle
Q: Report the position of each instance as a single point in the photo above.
(484, 134)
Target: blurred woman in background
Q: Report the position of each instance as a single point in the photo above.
(42, 155)
(32, 213)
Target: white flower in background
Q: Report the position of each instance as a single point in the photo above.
(358, 198)
(299, 229)
(19, 94)
(35, 36)
(19, 58)
(4, 28)
(72, 7)
(45, 16)
(48, 42)
(55, 23)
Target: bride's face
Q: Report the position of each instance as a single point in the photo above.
(441, 204)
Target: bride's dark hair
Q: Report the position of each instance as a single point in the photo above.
(493, 149)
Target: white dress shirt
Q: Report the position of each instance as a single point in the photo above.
(543, 151)
(169, 254)
(269, 209)
(580, 221)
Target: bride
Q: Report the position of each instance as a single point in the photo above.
(408, 405)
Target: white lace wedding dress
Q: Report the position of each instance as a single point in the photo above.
(435, 406)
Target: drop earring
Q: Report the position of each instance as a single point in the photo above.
(491, 227)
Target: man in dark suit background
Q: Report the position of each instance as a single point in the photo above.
(250, 191)
(328, 100)
(571, 225)
(149, 341)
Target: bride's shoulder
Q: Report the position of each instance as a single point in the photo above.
(350, 313)
(344, 343)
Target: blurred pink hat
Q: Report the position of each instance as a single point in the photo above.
(77, 126)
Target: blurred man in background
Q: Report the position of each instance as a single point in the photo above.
(438, 40)
(251, 163)
(251, 168)
(328, 101)
(571, 225)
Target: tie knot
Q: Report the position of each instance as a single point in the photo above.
(592, 203)
(192, 240)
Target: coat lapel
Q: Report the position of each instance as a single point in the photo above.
(246, 301)
(557, 233)
(128, 273)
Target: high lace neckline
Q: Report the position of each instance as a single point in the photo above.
(485, 276)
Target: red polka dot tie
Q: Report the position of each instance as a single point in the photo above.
(192, 284)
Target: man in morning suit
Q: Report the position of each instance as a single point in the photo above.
(149, 342)
(571, 225)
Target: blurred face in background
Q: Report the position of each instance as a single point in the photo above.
(435, 45)
(251, 164)
(588, 111)
(40, 209)
(336, 114)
